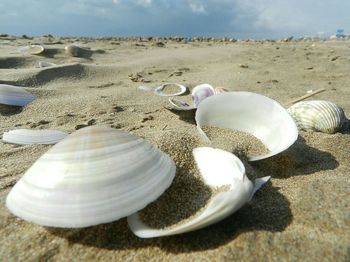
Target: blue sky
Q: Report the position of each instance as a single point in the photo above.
(233, 18)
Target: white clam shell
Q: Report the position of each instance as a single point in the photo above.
(30, 137)
(318, 115)
(159, 90)
(14, 95)
(95, 175)
(201, 92)
(73, 50)
(252, 113)
(218, 168)
(31, 49)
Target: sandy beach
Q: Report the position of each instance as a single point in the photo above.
(303, 213)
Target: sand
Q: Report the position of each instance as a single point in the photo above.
(302, 214)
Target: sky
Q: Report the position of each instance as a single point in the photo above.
(255, 19)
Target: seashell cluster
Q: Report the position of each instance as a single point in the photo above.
(14, 95)
(218, 168)
(319, 115)
(251, 113)
(30, 137)
(95, 175)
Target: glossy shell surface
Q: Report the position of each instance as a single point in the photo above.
(30, 137)
(318, 115)
(14, 95)
(95, 175)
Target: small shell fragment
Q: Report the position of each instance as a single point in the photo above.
(159, 90)
(319, 115)
(14, 95)
(30, 137)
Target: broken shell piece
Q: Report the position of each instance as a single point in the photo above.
(201, 92)
(32, 49)
(252, 113)
(319, 115)
(218, 168)
(14, 95)
(30, 137)
(179, 104)
(159, 90)
(95, 175)
(46, 64)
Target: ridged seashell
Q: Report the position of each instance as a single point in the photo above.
(32, 49)
(252, 113)
(95, 175)
(159, 90)
(30, 137)
(14, 95)
(218, 168)
(46, 64)
(319, 115)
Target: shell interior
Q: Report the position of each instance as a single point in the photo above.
(159, 90)
(218, 168)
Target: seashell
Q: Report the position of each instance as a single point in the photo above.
(73, 50)
(95, 175)
(252, 113)
(319, 115)
(159, 90)
(14, 95)
(218, 168)
(46, 64)
(30, 137)
(198, 94)
(32, 49)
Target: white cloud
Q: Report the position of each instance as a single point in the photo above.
(144, 3)
(198, 8)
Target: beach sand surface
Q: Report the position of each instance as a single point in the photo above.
(303, 213)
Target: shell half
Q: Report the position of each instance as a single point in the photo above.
(159, 90)
(14, 95)
(318, 115)
(218, 168)
(96, 175)
(32, 49)
(31, 137)
(252, 113)
(201, 92)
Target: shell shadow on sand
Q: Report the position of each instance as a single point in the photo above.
(299, 159)
(268, 211)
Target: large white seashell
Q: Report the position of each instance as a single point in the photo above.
(95, 175)
(31, 49)
(319, 115)
(14, 95)
(30, 137)
(218, 168)
(252, 113)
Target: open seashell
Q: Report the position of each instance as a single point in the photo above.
(30, 137)
(46, 64)
(218, 168)
(14, 95)
(252, 113)
(32, 49)
(198, 94)
(159, 90)
(319, 115)
(95, 175)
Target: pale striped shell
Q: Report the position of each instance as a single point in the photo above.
(318, 115)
